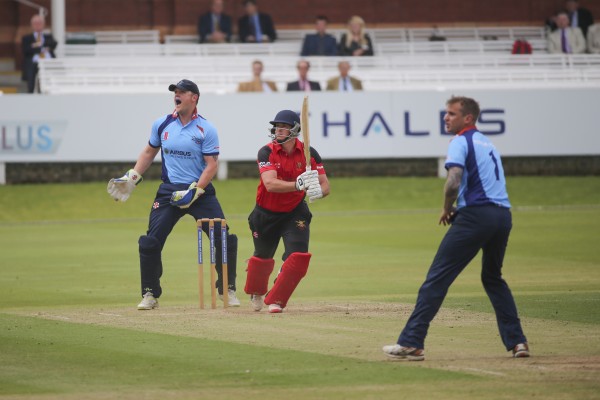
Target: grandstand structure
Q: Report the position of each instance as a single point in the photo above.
(405, 59)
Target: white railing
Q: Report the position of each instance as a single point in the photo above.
(43, 11)
(133, 36)
(289, 49)
(222, 74)
(385, 35)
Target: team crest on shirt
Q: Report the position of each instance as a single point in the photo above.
(301, 224)
(155, 205)
(165, 135)
(299, 165)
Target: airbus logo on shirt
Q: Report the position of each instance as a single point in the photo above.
(177, 153)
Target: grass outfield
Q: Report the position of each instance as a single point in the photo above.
(69, 281)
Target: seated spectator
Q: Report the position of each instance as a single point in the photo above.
(257, 84)
(303, 84)
(35, 46)
(566, 39)
(344, 82)
(214, 26)
(320, 43)
(355, 42)
(580, 17)
(593, 39)
(255, 27)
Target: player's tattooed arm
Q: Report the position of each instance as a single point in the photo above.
(451, 194)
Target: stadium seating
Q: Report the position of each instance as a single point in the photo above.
(405, 59)
(385, 35)
(136, 36)
(221, 74)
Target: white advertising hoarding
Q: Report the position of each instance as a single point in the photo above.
(405, 124)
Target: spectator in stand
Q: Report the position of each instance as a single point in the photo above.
(566, 39)
(214, 26)
(580, 17)
(303, 84)
(355, 42)
(35, 46)
(593, 39)
(320, 43)
(255, 27)
(344, 82)
(257, 84)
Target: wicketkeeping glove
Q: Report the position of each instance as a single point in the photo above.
(185, 198)
(120, 188)
(305, 179)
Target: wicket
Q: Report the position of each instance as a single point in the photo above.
(213, 260)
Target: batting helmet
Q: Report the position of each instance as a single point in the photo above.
(286, 117)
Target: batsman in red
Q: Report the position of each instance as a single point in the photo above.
(281, 212)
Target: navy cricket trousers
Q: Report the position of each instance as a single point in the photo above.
(163, 217)
(486, 228)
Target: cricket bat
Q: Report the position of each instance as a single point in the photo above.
(305, 131)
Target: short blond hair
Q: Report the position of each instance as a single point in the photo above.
(467, 105)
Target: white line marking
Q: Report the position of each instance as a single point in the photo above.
(482, 371)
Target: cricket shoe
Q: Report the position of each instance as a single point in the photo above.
(257, 302)
(275, 309)
(148, 302)
(233, 300)
(398, 352)
(521, 350)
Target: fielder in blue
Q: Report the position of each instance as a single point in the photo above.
(189, 148)
(482, 220)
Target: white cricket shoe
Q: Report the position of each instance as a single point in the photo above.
(275, 308)
(257, 302)
(148, 302)
(233, 300)
(521, 350)
(398, 352)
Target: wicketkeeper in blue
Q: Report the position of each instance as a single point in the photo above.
(189, 147)
(481, 220)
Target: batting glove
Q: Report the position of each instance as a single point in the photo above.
(314, 192)
(305, 179)
(120, 188)
(185, 198)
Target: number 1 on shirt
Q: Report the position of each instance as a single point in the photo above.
(305, 131)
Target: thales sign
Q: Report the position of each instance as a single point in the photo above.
(491, 122)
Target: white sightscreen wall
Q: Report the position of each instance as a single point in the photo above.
(407, 124)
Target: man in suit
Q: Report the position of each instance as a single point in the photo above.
(303, 84)
(255, 27)
(320, 43)
(214, 26)
(257, 84)
(593, 39)
(35, 46)
(566, 39)
(580, 17)
(344, 82)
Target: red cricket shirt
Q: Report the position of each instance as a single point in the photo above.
(288, 167)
